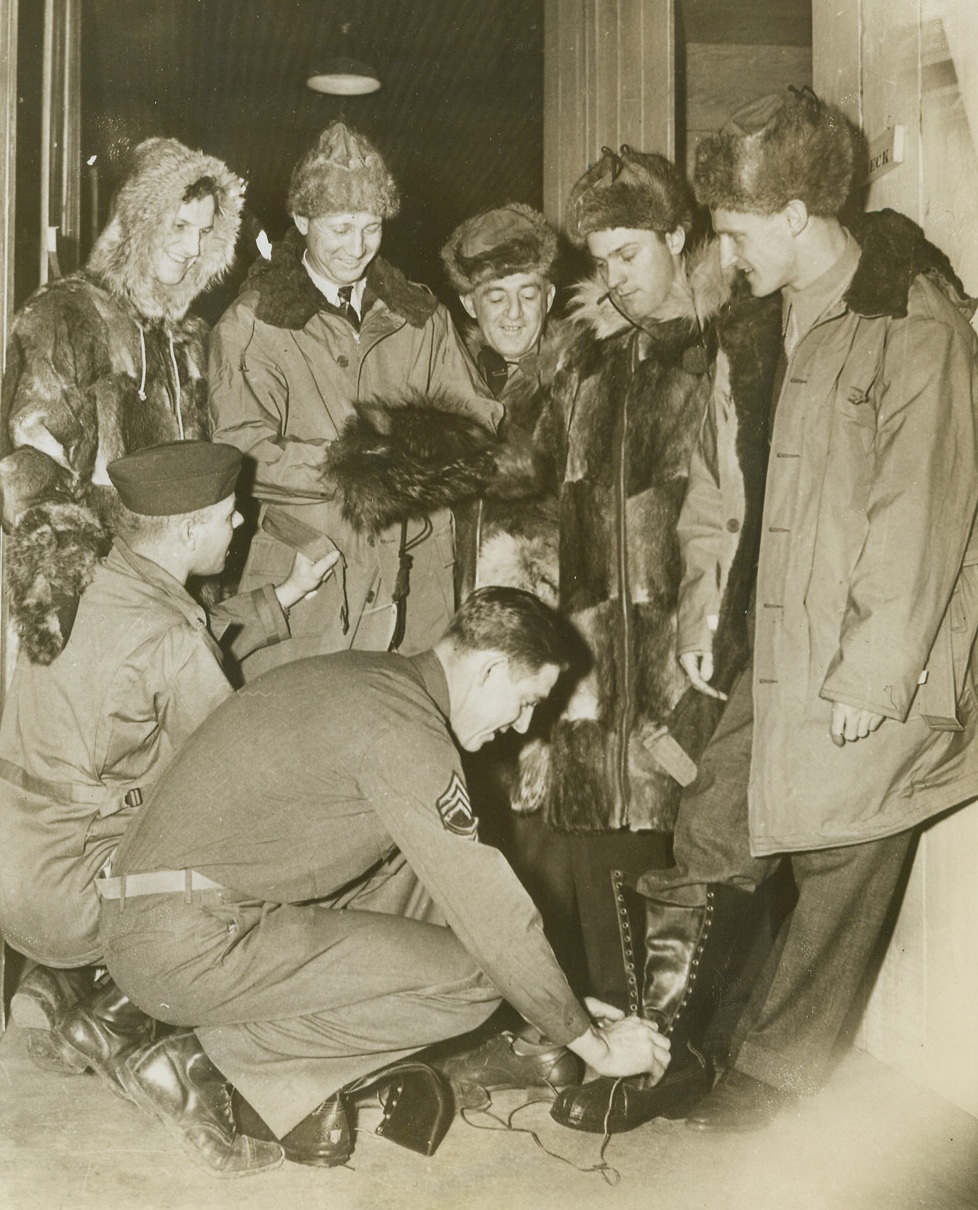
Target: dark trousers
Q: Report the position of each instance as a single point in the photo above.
(292, 1002)
(814, 974)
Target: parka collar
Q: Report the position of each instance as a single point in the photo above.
(697, 299)
(894, 252)
(287, 297)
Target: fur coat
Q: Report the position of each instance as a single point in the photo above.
(615, 440)
(101, 363)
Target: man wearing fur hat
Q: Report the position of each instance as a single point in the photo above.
(857, 719)
(84, 737)
(325, 338)
(103, 362)
(502, 264)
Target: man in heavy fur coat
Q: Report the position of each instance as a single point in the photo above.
(104, 362)
(323, 338)
(627, 403)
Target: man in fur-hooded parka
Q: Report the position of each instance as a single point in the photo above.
(324, 338)
(104, 362)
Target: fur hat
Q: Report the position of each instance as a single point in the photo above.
(777, 148)
(496, 243)
(629, 189)
(344, 173)
(163, 175)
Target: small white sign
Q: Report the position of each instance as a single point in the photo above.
(886, 152)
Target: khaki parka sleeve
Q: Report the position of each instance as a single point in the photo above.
(919, 509)
(249, 403)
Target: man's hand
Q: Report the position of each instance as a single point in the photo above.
(850, 723)
(698, 666)
(627, 1046)
(305, 577)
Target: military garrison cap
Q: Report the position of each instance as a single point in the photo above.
(179, 477)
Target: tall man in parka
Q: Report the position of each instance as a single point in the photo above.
(101, 363)
(858, 717)
(321, 329)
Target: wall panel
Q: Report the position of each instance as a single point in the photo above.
(609, 69)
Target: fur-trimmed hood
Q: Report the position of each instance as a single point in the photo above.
(287, 297)
(124, 253)
(697, 296)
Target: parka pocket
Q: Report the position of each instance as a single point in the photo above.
(950, 675)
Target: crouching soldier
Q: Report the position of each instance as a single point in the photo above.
(306, 888)
(84, 737)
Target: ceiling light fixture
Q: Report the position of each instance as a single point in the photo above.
(342, 75)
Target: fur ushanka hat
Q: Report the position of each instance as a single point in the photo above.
(633, 189)
(497, 243)
(343, 174)
(791, 145)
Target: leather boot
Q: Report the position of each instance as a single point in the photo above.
(677, 987)
(101, 1031)
(322, 1139)
(176, 1082)
(43, 997)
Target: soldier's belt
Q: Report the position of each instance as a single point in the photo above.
(157, 882)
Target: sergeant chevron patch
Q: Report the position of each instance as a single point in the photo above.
(456, 810)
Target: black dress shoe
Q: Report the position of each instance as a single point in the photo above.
(508, 1060)
(610, 1106)
(739, 1103)
(176, 1082)
(322, 1139)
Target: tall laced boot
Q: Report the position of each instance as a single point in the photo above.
(42, 999)
(176, 1082)
(677, 986)
(100, 1032)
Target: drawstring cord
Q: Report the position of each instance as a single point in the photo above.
(176, 384)
(177, 399)
(142, 349)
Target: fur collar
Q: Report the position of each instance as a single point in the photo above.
(697, 297)
(894, 252)
(287, 297)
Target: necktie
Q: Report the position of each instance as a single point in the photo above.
(346, 307)
(494, 370)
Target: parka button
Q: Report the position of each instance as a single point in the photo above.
(342, 361)
(733, 525)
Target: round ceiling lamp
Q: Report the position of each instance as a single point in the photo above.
(341, 75)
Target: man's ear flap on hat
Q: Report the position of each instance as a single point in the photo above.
(468, 302)
(551, 295)
(301, 223)
(676, 240)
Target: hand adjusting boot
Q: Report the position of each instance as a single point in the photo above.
(42, 999)
(509, 1060)
(675, 984)
(609, 1106)
(101, 1031)
(739, 1103)
(176, 1082)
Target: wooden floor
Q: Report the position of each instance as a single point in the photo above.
(870, 1141)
